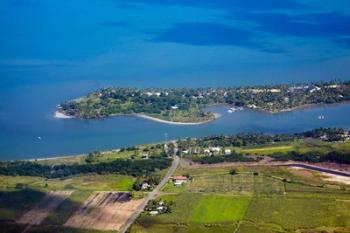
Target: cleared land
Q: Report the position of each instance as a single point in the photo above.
(256, 200)
(89, 182)
(44, 207)
(196, 213)
(20, 194)
(104, 211)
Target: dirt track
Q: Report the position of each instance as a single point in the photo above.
(104, 211)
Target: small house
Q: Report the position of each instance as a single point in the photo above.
(215, 149)
(179, 180)
(153, 213)
(144, 156)
(227, 151)
(206, 151)
(145, 186)
(185, 152)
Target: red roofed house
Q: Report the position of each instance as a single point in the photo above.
(179, 180)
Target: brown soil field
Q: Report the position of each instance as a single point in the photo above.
(301, 172)
(104, 211)
(49, 203)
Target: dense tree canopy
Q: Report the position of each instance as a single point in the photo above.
(188, 105)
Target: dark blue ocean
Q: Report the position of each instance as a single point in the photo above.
(51, 51)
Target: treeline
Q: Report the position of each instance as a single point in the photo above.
(238, 140)
(327, 134)
(119, 166)
(252, 139)
(314, 157)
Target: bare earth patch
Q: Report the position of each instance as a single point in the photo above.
(301, 172)
(335, 178)
(49, 203)
(325, 176)
(104, 211)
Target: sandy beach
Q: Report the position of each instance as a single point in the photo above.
(217, 115)
(60, 115)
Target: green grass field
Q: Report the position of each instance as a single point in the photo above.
(302, 146)
(215, 201)
(292, 213)
(197, 211)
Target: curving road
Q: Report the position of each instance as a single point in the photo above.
(152, 195)
(319, 169)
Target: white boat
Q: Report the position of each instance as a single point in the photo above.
(234, 109)
(321, 117)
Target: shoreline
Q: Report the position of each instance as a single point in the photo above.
(216, 116)
(60, 115)
(55, 157)
(297, 108)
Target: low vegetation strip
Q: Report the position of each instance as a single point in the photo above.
(50, 202)
(104, 211)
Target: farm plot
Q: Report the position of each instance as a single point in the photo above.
(222, 182)
(194, 212)
(104, 211)
(50, 202)
(288, 214)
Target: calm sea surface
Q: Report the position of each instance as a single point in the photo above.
(29, 114)
(51, 51)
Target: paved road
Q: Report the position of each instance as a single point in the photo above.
(152, 195)
(319, 169)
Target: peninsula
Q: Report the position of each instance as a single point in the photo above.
(186, 105)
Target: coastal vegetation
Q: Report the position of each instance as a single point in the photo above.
(318, 145)
(188, 105)
(119, 166)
